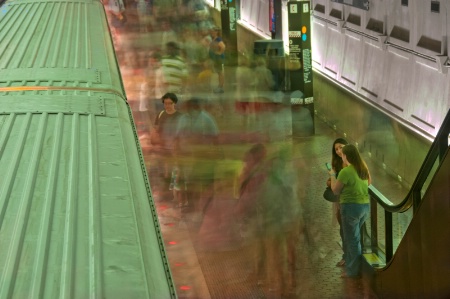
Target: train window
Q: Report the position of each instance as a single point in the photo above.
(404, 2)
(435, 6)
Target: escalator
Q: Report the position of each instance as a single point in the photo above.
(420, 265)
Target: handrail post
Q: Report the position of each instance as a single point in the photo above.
(389, 236)
(373, 224)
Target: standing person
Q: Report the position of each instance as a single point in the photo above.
(337, 164)
(352, 186)
(217, 55)
(165, 128)
(174, 69)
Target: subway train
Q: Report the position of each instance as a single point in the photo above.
(77, 218)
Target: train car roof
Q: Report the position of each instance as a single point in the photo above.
(77, 219)
(57, 44)
(76, 215)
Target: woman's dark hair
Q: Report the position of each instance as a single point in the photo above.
(354, 158)
(170, 95)
(336, 161)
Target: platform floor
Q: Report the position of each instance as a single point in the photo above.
(207, 256)
(217, 266)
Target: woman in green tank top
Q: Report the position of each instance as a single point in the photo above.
(352, 186)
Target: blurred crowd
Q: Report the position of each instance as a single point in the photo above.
(217, 138)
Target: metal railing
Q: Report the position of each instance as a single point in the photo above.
(414, 197)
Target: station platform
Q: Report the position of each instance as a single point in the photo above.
(222, 270)
(207, 263)
(208, 256)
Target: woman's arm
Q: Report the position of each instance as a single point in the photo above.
(336, 185)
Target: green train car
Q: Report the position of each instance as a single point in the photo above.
(77, 218)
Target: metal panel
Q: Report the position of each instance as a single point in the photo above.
(351, 60)
(429, 92)
(57, 74)
(373, 68)
(76, 221)
(51, 40)
(51, 104)
(398, 88)
(332, 64)
(319, 41)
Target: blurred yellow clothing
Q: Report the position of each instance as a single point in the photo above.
(204, 79)
(204, 76)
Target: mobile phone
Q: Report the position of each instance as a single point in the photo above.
(328, 165)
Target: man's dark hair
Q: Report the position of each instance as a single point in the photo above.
(194, 103)
(172, 48)
(170, 95)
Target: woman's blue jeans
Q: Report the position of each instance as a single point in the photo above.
(353, 217)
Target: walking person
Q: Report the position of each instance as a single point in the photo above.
(197, 145)
(165, 126)
(352, 186)
(174, 69)
(251, 180)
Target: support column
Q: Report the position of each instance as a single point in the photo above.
(300, 68)
(228, 20)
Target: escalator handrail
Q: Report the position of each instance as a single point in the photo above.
(433, 154)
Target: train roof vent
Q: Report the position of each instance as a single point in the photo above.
(375, 25)
(400, 34)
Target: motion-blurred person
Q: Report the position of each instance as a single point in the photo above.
(218, 230)
(174, 69)
(217, 54)
(245, 84)
(263, 76)
(115, 10)
(168, 35)
(165, 131)
(352, 186)
(337, 164)
(192, 49)
(203, 82)
(151, 88)
(145, 15)
(197, 150)
(248, 216)
(280, 214)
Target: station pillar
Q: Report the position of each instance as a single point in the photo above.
(228, 19)
(299, 65)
